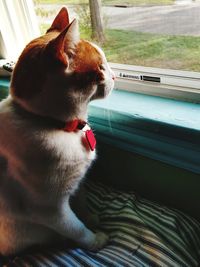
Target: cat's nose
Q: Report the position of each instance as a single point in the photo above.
(113, 75)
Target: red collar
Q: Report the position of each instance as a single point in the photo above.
(75, 125)
(72, 126)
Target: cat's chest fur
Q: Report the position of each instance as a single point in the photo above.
(42, 159)
(71, 157)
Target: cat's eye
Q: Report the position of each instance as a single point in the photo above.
(102, 67)
(70, 54)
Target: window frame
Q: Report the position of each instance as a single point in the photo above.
(177, 84)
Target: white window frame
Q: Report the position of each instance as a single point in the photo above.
(18, 25)
(176, 84)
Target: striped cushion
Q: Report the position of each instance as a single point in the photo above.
(142, 233)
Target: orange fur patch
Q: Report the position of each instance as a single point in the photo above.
(34, 65)
(31, 67)
(87, 58)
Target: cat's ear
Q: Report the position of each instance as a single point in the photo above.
(61, 21)
(64, 42)
(73, 36)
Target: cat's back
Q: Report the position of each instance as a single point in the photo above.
(6, 122)
(12, 129)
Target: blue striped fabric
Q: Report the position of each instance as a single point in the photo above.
(142, 234)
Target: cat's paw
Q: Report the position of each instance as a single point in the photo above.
(101, 240)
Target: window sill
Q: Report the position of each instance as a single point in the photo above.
(162, 129)
(4, 85)
(4, 82)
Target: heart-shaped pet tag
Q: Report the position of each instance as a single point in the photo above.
(91, 139)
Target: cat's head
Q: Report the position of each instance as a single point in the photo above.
(58, 74)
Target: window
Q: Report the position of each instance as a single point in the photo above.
(152, 33)
(156, 42)
(18, 26)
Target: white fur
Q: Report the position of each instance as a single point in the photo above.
(109, 75)
(38, 168)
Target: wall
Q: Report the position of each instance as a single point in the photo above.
(149, 178)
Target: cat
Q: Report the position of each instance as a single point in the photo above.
(44, 152)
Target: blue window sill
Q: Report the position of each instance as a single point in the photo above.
(162, 129)
(4, 82)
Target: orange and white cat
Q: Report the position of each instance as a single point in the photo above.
(44, 153)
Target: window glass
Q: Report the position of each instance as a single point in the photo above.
(153, 33)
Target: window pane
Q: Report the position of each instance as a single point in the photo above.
(153, 33)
